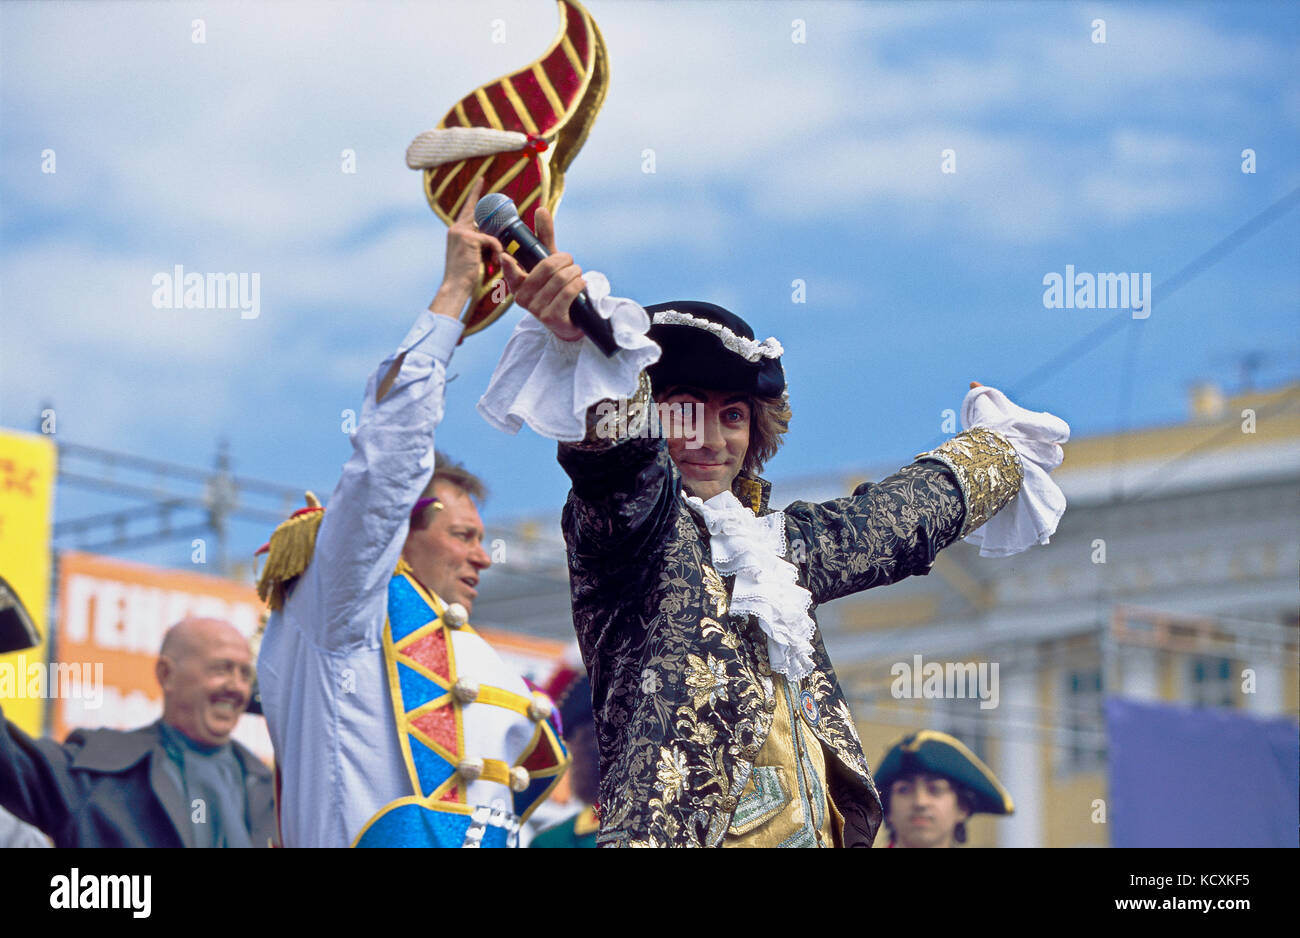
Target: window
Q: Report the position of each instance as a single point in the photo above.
(1083, 747)
(1212, 682)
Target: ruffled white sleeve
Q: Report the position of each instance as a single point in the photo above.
(549, 384)
(1030, 518)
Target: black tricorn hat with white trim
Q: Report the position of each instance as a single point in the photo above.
(706, 346)
(17, 630)
(929, 752)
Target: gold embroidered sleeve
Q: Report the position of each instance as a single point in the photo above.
(987, 469)
(610, 423)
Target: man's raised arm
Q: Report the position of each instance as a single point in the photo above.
(392, 461)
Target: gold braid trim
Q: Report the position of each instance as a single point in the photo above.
(749, 492)
(610, 423)
(291, 549)
(988, 472)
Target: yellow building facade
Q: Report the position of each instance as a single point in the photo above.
(1172, 578)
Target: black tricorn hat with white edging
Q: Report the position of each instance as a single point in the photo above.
(706, 346)
(17, 630)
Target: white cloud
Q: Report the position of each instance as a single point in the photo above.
(1153, 173)
(225, 156)
(81, 329)
(1005, 187)
(634, 223)
(242, 140)
(1138, 147)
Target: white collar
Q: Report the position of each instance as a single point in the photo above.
(751, 548)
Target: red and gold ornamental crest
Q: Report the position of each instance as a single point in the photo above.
(519, 134)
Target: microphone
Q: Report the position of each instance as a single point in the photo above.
(497, 216)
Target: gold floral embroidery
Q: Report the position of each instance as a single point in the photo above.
(707, 680)
(835, 724)
(715, 589)
(988, 471)
(671, 773)
(681, 686)
(603, 434)
(842, 709)
(728, 638)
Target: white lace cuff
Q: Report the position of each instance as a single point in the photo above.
(1032, 516)
(549, 384)
(767, 587)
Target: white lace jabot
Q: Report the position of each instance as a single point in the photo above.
(751, 548)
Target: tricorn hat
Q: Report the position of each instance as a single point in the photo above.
(930, 752)
(709, 347)
(17, 629)
(519, 134)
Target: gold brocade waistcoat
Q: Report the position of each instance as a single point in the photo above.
(784, 803)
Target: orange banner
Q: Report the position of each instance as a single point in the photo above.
(112, 618)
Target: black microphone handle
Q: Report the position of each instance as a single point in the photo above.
(521, 244)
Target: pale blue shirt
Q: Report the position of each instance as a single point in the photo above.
(321, 667)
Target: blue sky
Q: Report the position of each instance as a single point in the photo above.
(775, 161)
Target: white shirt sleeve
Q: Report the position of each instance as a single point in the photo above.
(340, 599)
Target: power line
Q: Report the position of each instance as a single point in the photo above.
(1201, 263)
(1170, 285)
(1163, 473)
(1123, 408)
(1079, 348)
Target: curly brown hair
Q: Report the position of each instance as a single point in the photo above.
(769, 419)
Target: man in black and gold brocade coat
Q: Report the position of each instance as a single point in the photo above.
(719, 716)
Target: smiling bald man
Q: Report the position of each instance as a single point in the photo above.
(205, 671)
(179, 782)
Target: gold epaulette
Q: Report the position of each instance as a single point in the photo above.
(289, 551)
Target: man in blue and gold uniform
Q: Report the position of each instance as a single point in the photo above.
(394, 723)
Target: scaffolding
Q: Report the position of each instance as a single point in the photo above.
(170, 502)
